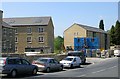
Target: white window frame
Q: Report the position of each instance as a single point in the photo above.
(41, 39)
(16, 39)
(29, 30)
(10, 45)
(16, 30)
(29, 39)
(4, 30)
(40, 29)
(4, 46)
(16, 48)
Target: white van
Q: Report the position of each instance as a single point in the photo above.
(71, 61)
(117, 52)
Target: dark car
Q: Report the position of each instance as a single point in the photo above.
(13, 66)
(48, 64)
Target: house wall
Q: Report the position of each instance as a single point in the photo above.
(1, 31)
(50, 37)
(8, 40)
(70, 33)
(77, 31)
(22, 35)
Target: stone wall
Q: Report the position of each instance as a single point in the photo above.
(33, 57)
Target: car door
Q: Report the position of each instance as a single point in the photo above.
(57, 64)
(75, 62)
(17, 65)
(27, 66)
(52, 64)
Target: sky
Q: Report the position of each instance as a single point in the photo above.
(64, 14)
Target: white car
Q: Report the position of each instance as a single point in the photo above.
(71, 61)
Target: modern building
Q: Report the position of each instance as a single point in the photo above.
(33, 34)
(7, 37)
(81, 31)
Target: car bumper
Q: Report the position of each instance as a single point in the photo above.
(66, 65)
(4, 72)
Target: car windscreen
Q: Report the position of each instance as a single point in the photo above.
(68, 59)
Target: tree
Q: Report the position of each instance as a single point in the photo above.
(101, 25)
(112, 35)
(58, 43)
(117, 33)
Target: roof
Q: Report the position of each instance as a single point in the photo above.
(6, 25)
(27, 21)
(89, 28)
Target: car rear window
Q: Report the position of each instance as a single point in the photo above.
(42, 60)
(11, 61)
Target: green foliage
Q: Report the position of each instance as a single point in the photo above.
(112, 35)
(58, 44)
(117, 33)
(101, 25)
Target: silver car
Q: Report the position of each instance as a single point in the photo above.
(48, 64)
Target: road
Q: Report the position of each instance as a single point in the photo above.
(106, 68)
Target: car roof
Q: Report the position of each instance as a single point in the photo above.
(75, 52)
(72, 57)
(11, 58)
(45, 58)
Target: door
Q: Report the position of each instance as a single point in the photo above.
(57, 64)
(27, 66)
(74, 62)
(52, 64)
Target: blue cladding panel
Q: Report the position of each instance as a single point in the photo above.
(90, 43)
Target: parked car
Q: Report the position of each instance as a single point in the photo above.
(71, 61)
(14, 65)
(48, 64)
(79, 54)
(117, 52)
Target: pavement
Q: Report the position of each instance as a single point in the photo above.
(96, 60)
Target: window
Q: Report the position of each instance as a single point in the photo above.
(16, 39)
(16, 48)
(4, 31)
(16, 31)
(41, 39)
(25, 62)
(18, 61)
(10, 45)
(40, 30)
(4, 46)
(29, 39)
(29, 30)
(94, 34)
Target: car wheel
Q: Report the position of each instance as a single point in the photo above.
(48, 70)
(13, 73)
(71, 66)
(61, 68)
(34, 72)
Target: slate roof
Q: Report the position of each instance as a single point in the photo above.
(4, 24)
(94, 29)
(89, 28)
(27, 21)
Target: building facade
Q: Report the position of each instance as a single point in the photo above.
(80, 31)
(33, 34)
(7, 37)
